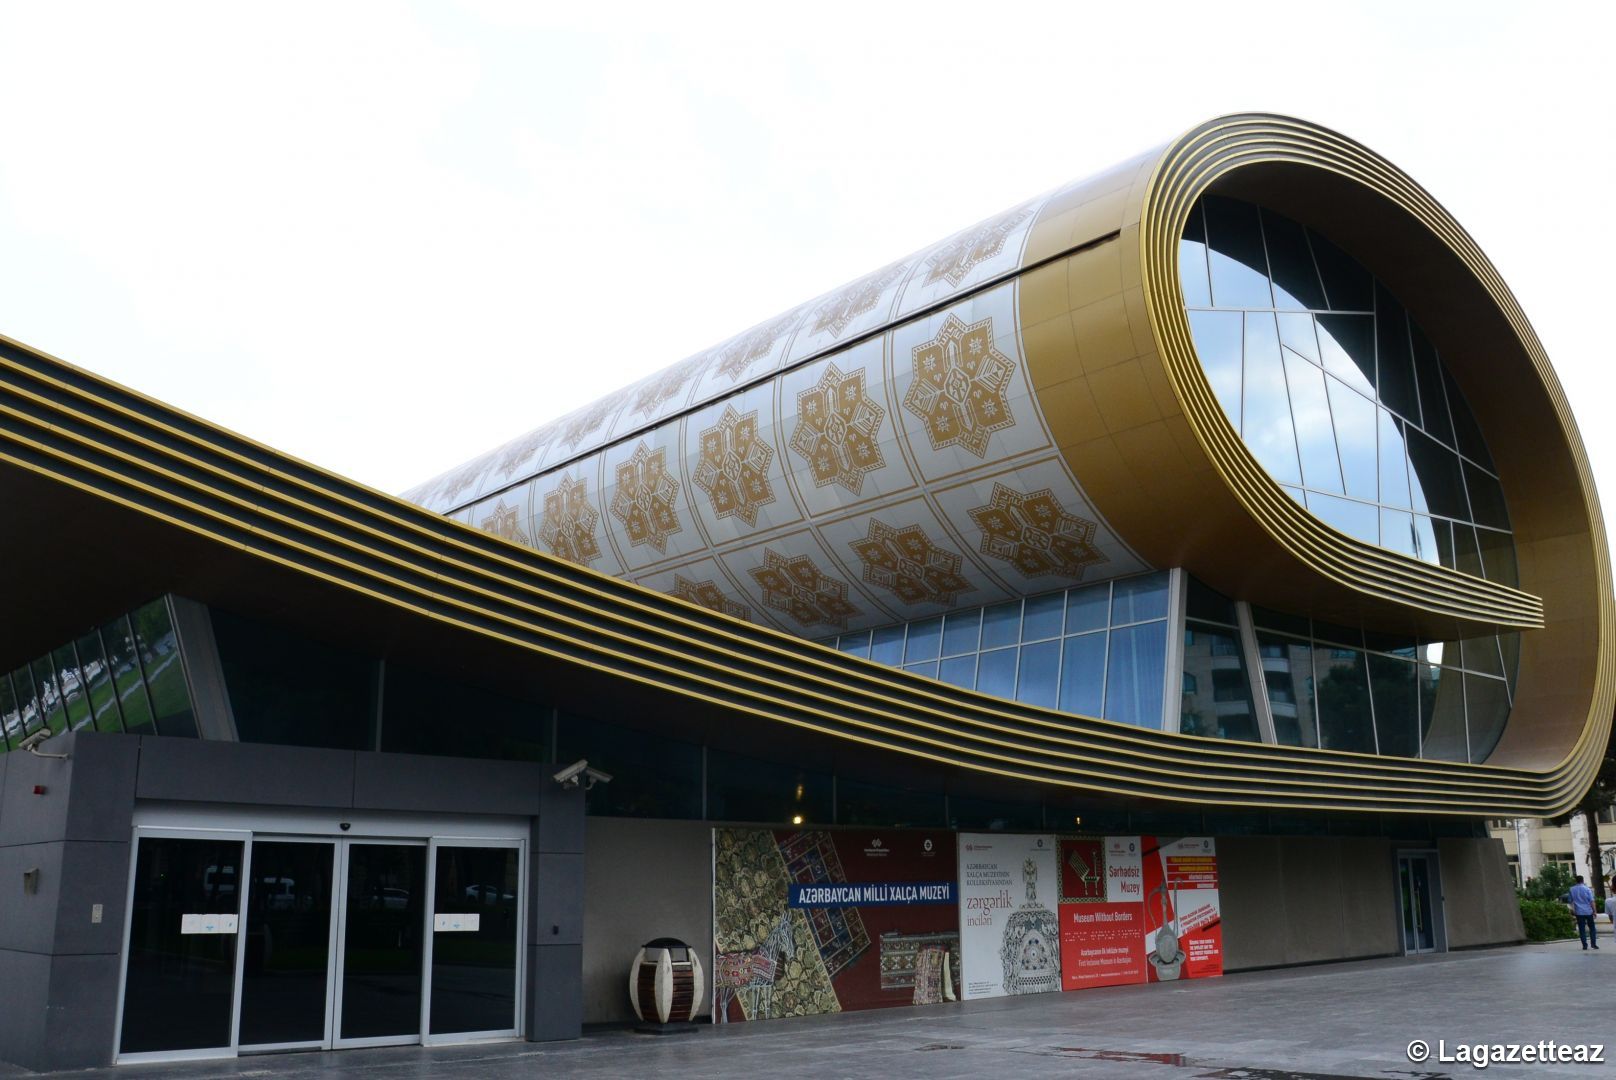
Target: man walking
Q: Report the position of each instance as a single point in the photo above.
(1581, 899)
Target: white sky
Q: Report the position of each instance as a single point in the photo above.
(386, 238)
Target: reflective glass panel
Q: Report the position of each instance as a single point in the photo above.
(959, 671)
(127, 678)
(10, 714)
(1397, 708)
(74, 700)
(383, 941)
(961, 631)
(1135, 671)
(1088, 608)
(857, 644)
(50, 695)
(1336, 391)
(22, 682)
(1139, 598)
(1219, 705)
(1442, 701)
(1039, 674)
(1001, 625)
(1487, 710)
(283, 976)
(925, 638)
(1082, 689)
(1346, 719)
(98, 684)
(886, 645)
(165, 675)
(1288, 674)
(1043, 617)
(473, 981)
(996, 673)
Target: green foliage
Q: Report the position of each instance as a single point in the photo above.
(1547, 920)
(1553, 882)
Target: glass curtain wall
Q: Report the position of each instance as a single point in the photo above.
(1337, 391)
(1217, 698)
(1099, 650)
(124, 676)
(1347, 689)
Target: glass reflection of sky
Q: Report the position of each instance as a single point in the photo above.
(1337, 391)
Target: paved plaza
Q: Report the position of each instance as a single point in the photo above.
(1333, 1021)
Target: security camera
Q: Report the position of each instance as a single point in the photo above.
(579, 774)
(35, 739)
(32, 744)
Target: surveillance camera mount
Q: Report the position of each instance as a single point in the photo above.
(33, 742)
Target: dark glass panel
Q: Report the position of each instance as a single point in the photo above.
(1280, 620)
(1425, 546)
(1202, 602)
(384, 941)
(1039, 674)
(877, 805)
(1437, 469)
(1139, 598)
(747, 789)
(652, 775)
(98, 683)
(959, 671)
(996, 673)
(1346, 283)
(1510, 645)
(283, 976)
(1433, 399)
(1220, 706)
(10, 713)
(1401, 644)
(1498, 557)
(288, 689)
(1427, 678)
(1315, 431)
(1239, 267)
(474, 971)
(179, 985)
(1082, 689)
(1218, 344)
(1487, 709)
(1345, 718)
(1442, 705)
(1088, 608)
(75, 700)
(1347, 346)
(50, 695)
(925, 638)
(1192, 271)
(993, 815)
(1288, 672)
(1397, 705)
(1486, 498)
(1296, 282)
(1395, 361)
(886, 645)
(424, 713)
(1001, 625)
(1265, 423)
(1135, 670)
(1354, 417)
(1043, 617)
(1466, 552)
(961, 632)
(1331, 634)
(126, 677)
(165, 674)
(1481, 655)
(31, 715)
(856, 644)
(1471, 444)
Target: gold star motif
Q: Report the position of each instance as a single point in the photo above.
(960, 385)
(906, 562)
(1035, 534)
(646, 498)
(838, 430)
(797, 587)
(568, 525)
(707, 594)
(734, 466)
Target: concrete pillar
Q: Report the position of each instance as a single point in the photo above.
(1579, 847)
(1529, 846)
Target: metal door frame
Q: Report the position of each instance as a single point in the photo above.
(155, 832)
(428, 1037)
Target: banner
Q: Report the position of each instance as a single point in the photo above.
(1009, 930)
(818, 921)
(1183, 914)
(1102, 913)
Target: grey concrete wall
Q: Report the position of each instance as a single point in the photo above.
(58, 965)
(1478, 894)
(1298, 900)
(644, 880)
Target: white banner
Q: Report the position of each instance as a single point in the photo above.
(1009, 930)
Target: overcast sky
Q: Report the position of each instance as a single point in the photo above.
(387, 237)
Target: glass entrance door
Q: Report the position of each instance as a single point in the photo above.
(286, 969)
(383, 943)
(475, 961)
(1421, 903)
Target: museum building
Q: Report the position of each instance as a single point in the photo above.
(1214, 523)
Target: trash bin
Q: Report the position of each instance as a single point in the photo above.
(665, 982)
